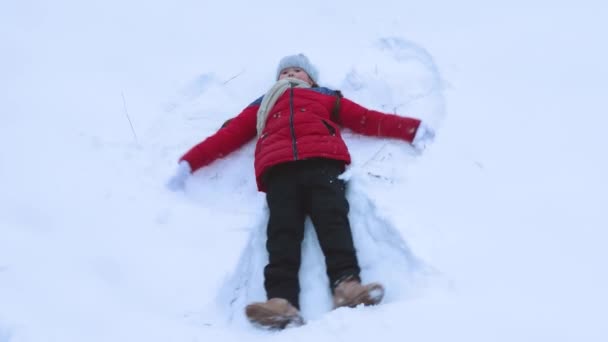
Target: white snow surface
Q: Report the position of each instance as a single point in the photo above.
(496, 232)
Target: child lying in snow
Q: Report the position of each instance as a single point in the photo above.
(299, 157)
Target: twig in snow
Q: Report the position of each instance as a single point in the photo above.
(124, 103)
(233, 77)
(375, 155)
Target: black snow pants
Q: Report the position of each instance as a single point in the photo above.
(296, 190)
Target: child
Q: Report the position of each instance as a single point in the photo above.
(299, 157)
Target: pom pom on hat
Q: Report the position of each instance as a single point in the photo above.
(299, 61)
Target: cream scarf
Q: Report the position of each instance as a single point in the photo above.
(272, 96)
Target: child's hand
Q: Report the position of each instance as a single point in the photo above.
(424, 137)
(178, 180)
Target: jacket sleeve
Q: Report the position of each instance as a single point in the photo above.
(370, 122)
(241, 129)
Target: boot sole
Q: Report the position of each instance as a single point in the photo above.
(270, 319)
(373, 296)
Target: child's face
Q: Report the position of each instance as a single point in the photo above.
(295, 72)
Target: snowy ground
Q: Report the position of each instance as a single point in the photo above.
(495, 233)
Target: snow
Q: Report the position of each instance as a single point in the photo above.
(495, 233)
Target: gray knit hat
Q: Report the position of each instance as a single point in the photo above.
(299, 61)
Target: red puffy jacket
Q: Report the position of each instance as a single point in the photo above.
(302, 124)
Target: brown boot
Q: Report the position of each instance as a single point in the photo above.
(351, 293)
(275, 313)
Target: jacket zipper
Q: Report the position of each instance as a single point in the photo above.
(291, 124)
